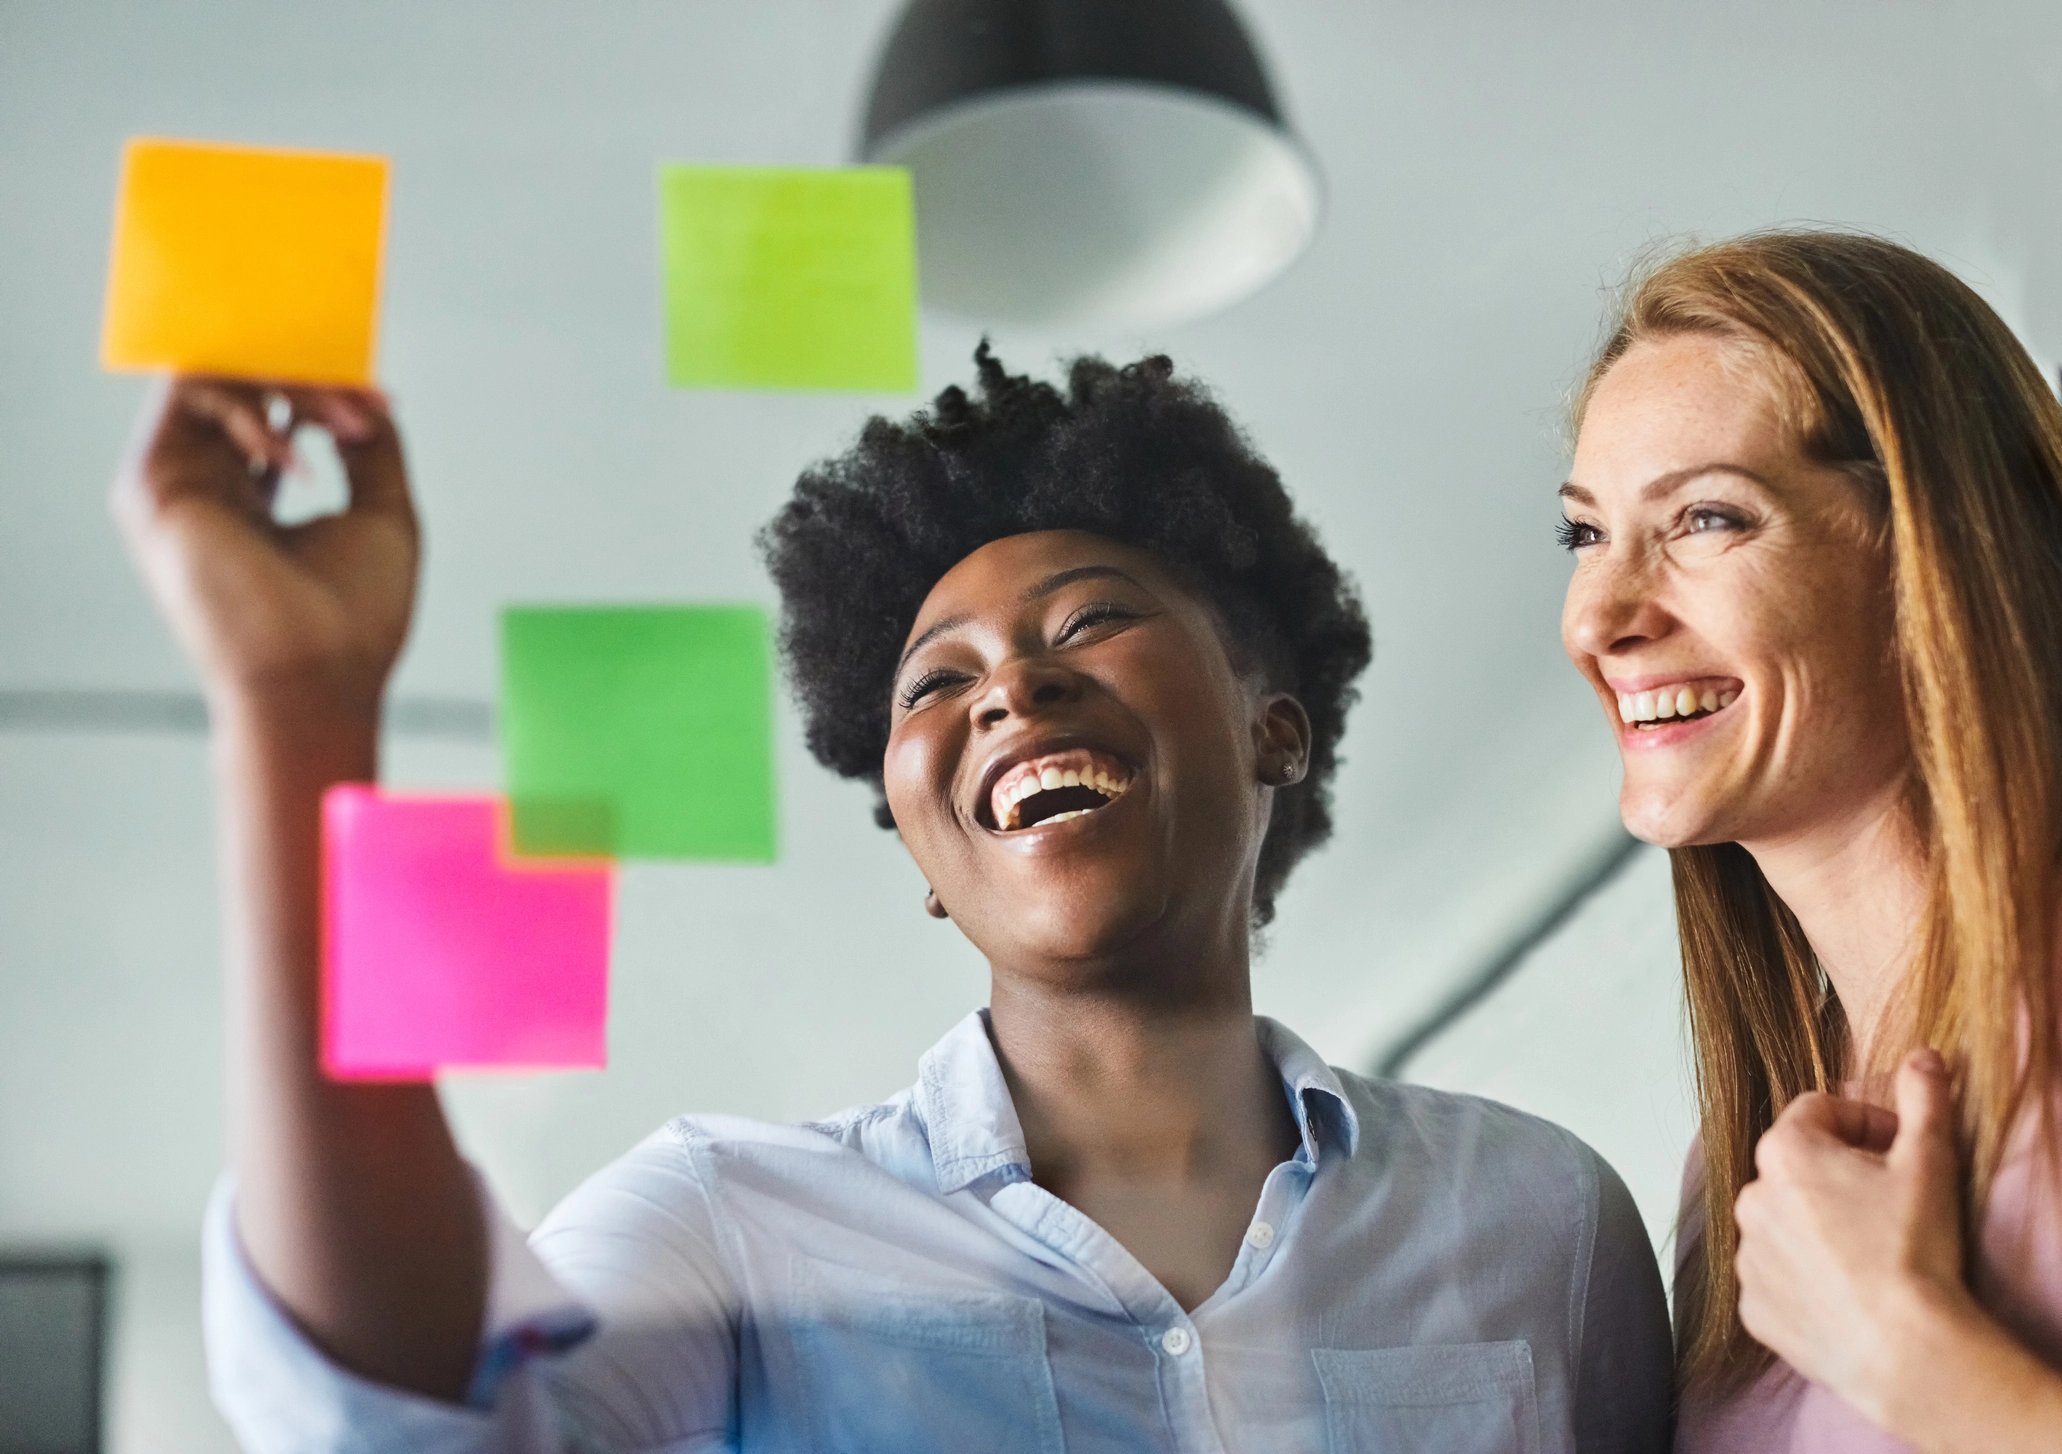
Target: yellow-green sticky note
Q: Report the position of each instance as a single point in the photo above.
(639, 731)
(789, 278)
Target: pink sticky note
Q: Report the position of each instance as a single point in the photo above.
(441, 949)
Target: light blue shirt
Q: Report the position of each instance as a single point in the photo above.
(1430, 1272)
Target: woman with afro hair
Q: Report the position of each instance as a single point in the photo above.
(1098, 671)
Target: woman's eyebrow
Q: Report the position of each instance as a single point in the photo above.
(937, 629)
(1072, 574)
(1666, 484)
(1056, 581)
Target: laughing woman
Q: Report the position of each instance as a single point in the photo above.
(1816, 513)
(1097, 671)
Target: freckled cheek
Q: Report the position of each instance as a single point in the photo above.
(1818, 695)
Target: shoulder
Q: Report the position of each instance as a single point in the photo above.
(1399, 1121)
(686, 1166)
(1511, 1173)
(849, 1129)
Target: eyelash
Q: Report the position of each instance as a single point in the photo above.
(915, 692)
(1572, 535)
(1568, 534)
(1093, 614)
(1729, 521)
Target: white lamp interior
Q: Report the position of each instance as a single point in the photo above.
(1101, 202)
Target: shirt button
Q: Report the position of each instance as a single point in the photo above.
(1176, 1341)
(1261, 1234)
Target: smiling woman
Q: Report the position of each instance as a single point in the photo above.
(1098, 671)
(1132, 456)
(1816, 515)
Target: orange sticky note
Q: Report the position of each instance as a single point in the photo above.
(246, 261)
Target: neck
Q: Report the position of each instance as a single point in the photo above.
(1857, 887)
(1138, 1087)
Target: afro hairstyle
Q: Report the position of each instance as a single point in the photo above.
(1133, 454)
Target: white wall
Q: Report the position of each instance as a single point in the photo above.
(157, 1390)
(1588, 1031)
(1490, 167)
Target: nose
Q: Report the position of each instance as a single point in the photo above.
(1613, 606)
(1022, 687)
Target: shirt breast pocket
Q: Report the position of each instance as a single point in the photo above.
(1441, 1398)
(888, 1368)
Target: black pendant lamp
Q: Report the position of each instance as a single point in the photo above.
(1089, 162)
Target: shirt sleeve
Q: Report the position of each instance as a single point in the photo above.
(612, 1329)
(1625, 1375)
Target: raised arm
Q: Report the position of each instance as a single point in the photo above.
(353, 1204)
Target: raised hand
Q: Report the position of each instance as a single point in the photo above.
(311, 614)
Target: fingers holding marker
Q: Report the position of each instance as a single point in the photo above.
(242, 413)
(260, 421)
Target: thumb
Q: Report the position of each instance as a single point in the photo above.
(367, 442)
(1925, 1142)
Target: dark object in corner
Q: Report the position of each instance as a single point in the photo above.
(53, 1340)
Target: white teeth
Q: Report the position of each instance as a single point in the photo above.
(1006, 803)
(1669, 703)
(1063, 817)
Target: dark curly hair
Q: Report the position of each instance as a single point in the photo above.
(1132, 454)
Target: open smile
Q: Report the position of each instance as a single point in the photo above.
(1051, 788)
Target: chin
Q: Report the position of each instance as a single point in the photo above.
(1087, 928)
(1669, 819)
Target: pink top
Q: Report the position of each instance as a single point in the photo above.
(2018, 1277)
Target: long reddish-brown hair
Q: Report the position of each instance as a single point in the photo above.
(1893, 370)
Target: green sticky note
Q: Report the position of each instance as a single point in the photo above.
(788, 278)
(639, 731)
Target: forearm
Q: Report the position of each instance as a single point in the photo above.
(1962, 1384)
(353, 1203)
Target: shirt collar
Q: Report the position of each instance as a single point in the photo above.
(1324, 1113)
(973, 1129)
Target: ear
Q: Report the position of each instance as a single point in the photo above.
(1281, 740)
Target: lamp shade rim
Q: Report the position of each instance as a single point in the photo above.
(897, 141)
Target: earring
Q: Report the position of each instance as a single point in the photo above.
(1289, 773)
(932, 907)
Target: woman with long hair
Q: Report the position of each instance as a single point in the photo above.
(1096, 671)
(1816, 514)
